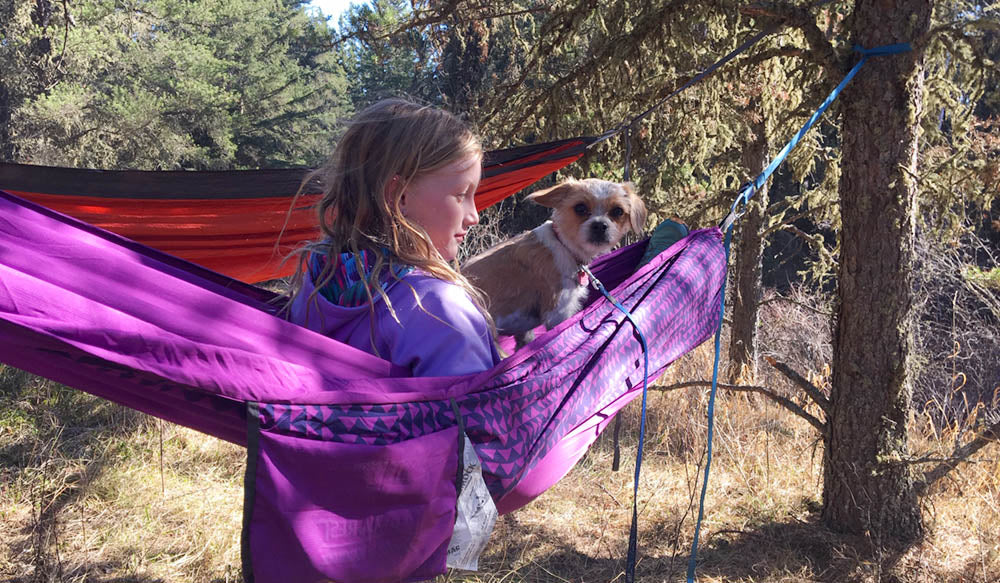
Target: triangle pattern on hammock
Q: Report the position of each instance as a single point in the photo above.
(351, 465)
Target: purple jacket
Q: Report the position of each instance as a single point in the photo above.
(447, 337)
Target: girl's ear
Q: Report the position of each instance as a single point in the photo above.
(552, 197)
(637, 210)
(392, 190)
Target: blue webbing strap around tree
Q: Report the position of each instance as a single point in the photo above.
(751, 188)
(739, 205)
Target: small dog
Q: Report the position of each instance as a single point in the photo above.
(537, 277)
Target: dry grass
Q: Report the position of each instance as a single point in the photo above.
(761, 522)
(86, 496)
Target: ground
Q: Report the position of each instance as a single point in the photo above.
(95, 492)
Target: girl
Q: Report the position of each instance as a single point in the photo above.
(397, 204)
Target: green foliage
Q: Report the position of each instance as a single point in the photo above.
(248, 83)
(534, 71)
(988, 278)
(960, 153)
(168, 84)
(20, 74)
(383, 57)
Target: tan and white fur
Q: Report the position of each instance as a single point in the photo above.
(536, 278)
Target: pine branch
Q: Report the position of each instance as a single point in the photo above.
(290, 115)
(548, 40)
(960, 31)
(812, 103)
(613, 49)
(801, 18)
(780, 298)
(68, 21)
(961, 454)
(814, 393)
(787, 221)
(423, 18)
(773, 53)
(815, 242)
(767, 392)
(74, 138)
(791, 228)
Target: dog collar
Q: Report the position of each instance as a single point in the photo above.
(581, 273)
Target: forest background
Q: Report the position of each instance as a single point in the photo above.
(91, 491)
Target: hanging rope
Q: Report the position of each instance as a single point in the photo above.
(633, 535)
(749, 189)
(735, 212)
(626, 177)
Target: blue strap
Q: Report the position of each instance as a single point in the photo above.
(727, 227)
(884, 50)
(633, 535)
(749, 189)
(692, 561)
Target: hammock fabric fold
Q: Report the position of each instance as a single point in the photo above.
(351, 464)
(230, 221)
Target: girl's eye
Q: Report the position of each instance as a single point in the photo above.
(581, 209)
(616, 212)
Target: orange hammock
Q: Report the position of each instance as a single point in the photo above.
(230, 221)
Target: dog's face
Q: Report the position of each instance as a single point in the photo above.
(592, 215)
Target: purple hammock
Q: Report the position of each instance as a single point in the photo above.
(351, 471)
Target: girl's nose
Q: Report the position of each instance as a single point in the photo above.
(472, 215)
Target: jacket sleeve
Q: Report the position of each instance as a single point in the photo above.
(444, 335)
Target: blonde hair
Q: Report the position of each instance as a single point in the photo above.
(385, 147)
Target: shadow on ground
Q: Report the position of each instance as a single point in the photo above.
(52, 447)
(787, 551)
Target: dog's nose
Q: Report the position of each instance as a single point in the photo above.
(598, 232)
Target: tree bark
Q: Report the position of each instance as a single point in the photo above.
(749, 255)
(867, 489)
(6, 137)
(465, 61)
(7, 67)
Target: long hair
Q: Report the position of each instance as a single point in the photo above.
(385, 147)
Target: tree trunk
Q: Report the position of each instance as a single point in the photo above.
(749, 254)
(7, 72)
(464, 61)
(866, 487)
(6, 137)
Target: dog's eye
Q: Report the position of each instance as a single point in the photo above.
(581, 209)
(617, 212)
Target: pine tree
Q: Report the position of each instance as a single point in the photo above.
(28, 64)
(167, 84)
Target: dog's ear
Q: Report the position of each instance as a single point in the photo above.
(637, 209)
(551, 197)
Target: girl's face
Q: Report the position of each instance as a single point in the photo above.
(442, 202)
